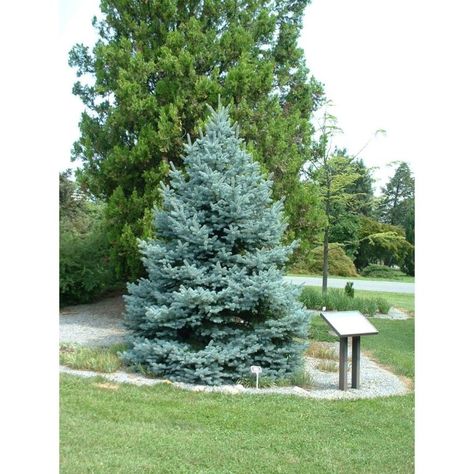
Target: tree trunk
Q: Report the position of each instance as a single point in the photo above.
(325, 260)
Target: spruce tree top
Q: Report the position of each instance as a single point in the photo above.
(214, 302)
(221, 199)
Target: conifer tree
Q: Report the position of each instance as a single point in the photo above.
(214, 301)
(144, 85)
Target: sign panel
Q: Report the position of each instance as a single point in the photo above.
(349, 323)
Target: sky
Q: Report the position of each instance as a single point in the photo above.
(356, 49)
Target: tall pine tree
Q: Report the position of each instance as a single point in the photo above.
(145, 83)
(214, 301)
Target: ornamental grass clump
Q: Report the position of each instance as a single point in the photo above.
(214, 301)
(338, 300)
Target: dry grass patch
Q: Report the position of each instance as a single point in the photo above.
(328, 366)
(98, 359)
(107, 386)
(321, 351)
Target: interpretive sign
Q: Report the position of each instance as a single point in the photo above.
(349, 324)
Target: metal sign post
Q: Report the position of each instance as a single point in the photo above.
(349, 324)
(257, 370)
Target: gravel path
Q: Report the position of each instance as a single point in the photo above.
(100, 324)
(97, 324)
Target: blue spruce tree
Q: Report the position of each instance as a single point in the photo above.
(214, 302)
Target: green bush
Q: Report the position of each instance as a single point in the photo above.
(337, 300)
(339, 263)
(381, 271)
(383, 305)
(349, 289)
(84, 268)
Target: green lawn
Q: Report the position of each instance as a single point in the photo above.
(162, 429)
(393, 346)
(112, 428)
(399, 300)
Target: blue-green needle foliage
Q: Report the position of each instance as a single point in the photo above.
(214, 302)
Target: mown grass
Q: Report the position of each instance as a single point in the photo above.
(394, 345)
(162, 429)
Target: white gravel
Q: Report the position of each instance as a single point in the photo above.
(100, 324)
(97, 324)
(393, 313)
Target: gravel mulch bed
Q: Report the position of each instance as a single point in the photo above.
(100, 324)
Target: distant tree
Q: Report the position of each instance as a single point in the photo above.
(71, 203)
(398, 197)
(381, 243)
(334, 174)
(397, 207)
(362, 189)
(214, 301)
(409, 264)
(359, 202)
(147, 80)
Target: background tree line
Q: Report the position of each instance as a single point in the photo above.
(145, 85)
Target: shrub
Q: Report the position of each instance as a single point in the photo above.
(383, 305)
(380, 242)
(337, 300)
(381, 271)
(84, 269)
(339, 263)
(349, 289)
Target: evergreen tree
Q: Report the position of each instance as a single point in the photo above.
(214, 302)
(145, 83)
(397, 207)
(398, 197)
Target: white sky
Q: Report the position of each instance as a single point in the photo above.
(357, 50)
(364, 53)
